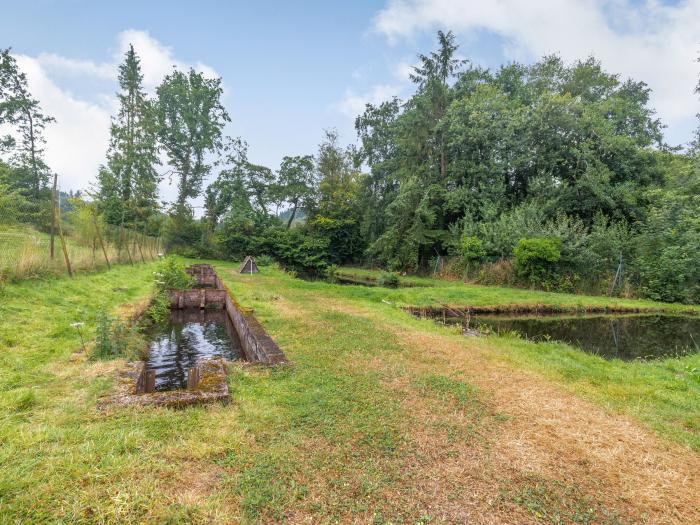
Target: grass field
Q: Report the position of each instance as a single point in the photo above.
(381, 418)
(24, 253)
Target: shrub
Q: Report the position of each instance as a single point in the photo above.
(535, 260)
(159, 311)
(264, 260)
(113, 338)
(472, 250)
(499, 273)
(298, 250)
(388, 279)
(171, 275)
(332, 273)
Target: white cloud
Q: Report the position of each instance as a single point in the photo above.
(652, 42)
(78, 140)
(157, 59)
(353, 103)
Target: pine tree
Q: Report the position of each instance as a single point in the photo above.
(23, 113)
(130, 185)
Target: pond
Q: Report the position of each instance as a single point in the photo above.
(190, 335)
(611, 336)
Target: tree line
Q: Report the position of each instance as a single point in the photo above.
(549, 174)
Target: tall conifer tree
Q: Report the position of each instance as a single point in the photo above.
(23, 113)
(129, 184)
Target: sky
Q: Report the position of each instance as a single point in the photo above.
(292, 69)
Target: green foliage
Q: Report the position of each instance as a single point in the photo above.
(22, 114)
(471, 248)
(388, 279)
(264, 260)
(128, 185)
(170, 275)
(114, 338)
(535, 260)
(189, 120)
(669, 243)
(298, 250)
(296, 183)
(159, 311)
(331, 273)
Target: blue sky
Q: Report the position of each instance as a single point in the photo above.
(291, 69)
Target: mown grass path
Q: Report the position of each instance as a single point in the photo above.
(381, 419)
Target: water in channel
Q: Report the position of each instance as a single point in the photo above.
(188, 336)
(624, 337)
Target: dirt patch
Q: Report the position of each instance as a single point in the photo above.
(194, 483)
(551, 444)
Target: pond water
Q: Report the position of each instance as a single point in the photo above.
(190, 335)
(624, 337)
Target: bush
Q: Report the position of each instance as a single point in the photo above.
(299, 250)
(113, 338)
(535, 260)
(264, 260)
(332, 273)
(472, 250)
(499, 273)
(170, 275)
(159, 311)
(388, 279)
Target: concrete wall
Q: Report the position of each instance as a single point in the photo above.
(198, 298)
(257, 345)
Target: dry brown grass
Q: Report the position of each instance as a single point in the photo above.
(548, 434)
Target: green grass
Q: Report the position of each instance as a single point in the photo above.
(25, 253)
(664, 394)
(434, 292)
(335, 437)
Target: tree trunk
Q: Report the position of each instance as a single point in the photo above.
(291, 217)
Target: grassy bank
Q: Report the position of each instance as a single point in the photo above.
(426, 291)
(382, 418)
(24, 253)
(665, 394)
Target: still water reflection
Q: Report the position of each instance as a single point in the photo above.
(611, 336)
(190, 335)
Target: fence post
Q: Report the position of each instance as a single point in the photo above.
(53, 214)
(126, 245)
(99, 236)
(138, 244)
(63, 244)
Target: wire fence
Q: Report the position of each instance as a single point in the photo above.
(64, 236)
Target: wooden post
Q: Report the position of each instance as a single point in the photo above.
(63, 245)
(192, 378)
(150, 381)
(99, 237)
(140, 250)
(126, 245)
(53, 214)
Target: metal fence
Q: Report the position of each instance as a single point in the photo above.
(32, 244)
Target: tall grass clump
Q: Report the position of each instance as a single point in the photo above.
(388, 279)
(114, 338)
(170, 275)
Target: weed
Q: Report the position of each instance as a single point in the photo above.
(114, 338)
(559, 503)
(388, 279)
